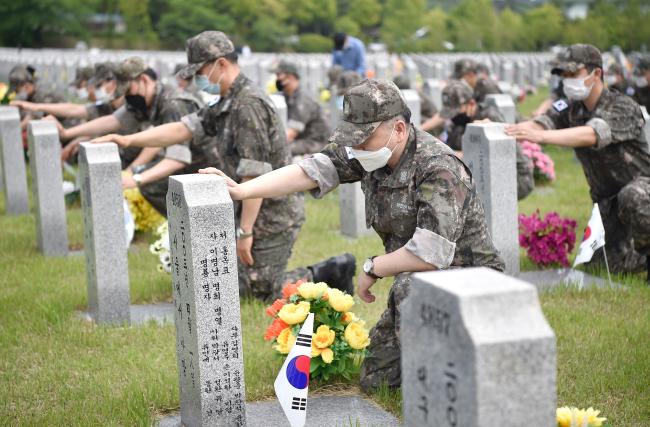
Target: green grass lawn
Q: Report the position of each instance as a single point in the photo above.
(58, 370)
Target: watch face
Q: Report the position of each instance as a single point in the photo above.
(367, 266)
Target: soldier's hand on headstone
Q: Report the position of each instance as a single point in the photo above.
(25, 105)
(244, 247)
(233, 186)
(59, 126)
(69, 151)
(525, 133)
(120, 140)
(365, 282)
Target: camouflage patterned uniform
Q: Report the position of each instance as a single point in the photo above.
(427, 107)
(617, 168)
(428, 204)
(642, 93)
(305, 116)
(485, 87)
(250, 141)
(169, 105)
(308, 119)
(21, 74)
(457, 94)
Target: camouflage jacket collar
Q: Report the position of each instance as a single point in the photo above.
(240, 82)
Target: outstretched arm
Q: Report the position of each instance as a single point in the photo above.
(99, 126)
(159, 136)
(575, 137)
(60, 109)
(280, 182)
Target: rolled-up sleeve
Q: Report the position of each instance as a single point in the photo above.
(126, 118)
(194, 124)
(603, 132)
(179, 152)
(545, 121)
(441, 196)
(296, 125)
(320, 169)
(253, 168)
(431, 248)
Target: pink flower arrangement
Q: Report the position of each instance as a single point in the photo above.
(548, 241)
(544, 168)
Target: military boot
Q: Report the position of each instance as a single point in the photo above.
(337, 272)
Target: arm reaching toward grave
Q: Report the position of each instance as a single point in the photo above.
(581, 136)
(159, 136)
(99, 126)
(280, 182)
(62, 109)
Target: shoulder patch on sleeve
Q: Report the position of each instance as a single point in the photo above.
(560, 105)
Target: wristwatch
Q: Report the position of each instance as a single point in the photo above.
(242, 235)
(369, 267)
(137, 178)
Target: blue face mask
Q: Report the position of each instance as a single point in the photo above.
(202, 82)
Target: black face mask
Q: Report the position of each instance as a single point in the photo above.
(279, 85)
(137, 103)
(461, 119)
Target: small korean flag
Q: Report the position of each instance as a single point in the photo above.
(292, 383)
(593, 239)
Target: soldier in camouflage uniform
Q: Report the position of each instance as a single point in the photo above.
(84, 91)
(616, 81)
(484, 84)
(427, 108)
(477, 77)
(642, 89)
(149, 102)
(606, 130)
(307, 128)
(461, 108)
(420, 199)
(242, 134)
(23, 81)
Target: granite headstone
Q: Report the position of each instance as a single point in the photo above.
(206, 296)
(47, 188)
(476, 352)
(491, 156)
(104, 233)
(13, 162)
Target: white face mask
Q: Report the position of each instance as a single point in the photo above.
(102, 95)
(576, 90)
(641, 81)
(373, 160)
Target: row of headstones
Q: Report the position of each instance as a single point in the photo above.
(476, 348)
(56, 67)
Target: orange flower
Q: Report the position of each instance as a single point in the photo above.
(273, 309)
(274, 329)
(291, 288)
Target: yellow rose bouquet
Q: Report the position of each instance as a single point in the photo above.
(340, 338)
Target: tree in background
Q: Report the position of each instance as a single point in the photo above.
(401, 19)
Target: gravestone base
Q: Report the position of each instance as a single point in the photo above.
(142, 314)
(322, 411)
(565, 277)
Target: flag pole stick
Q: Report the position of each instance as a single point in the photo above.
(609, 276)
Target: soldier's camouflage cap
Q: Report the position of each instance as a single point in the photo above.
(82, 74)
(454, 96)
(286, 67)
(21, 74)
(464, 66)
(127, 71)
(202, 48)
(402, 81)
(347, 79)
(365, 106)
(576, 57)
(103, 71)
(644, 64)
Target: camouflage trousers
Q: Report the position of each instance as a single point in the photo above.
(383, 363)
(266, 277)
(306, 146)
(626, 218)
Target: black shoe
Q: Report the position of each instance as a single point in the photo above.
(337, 272)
